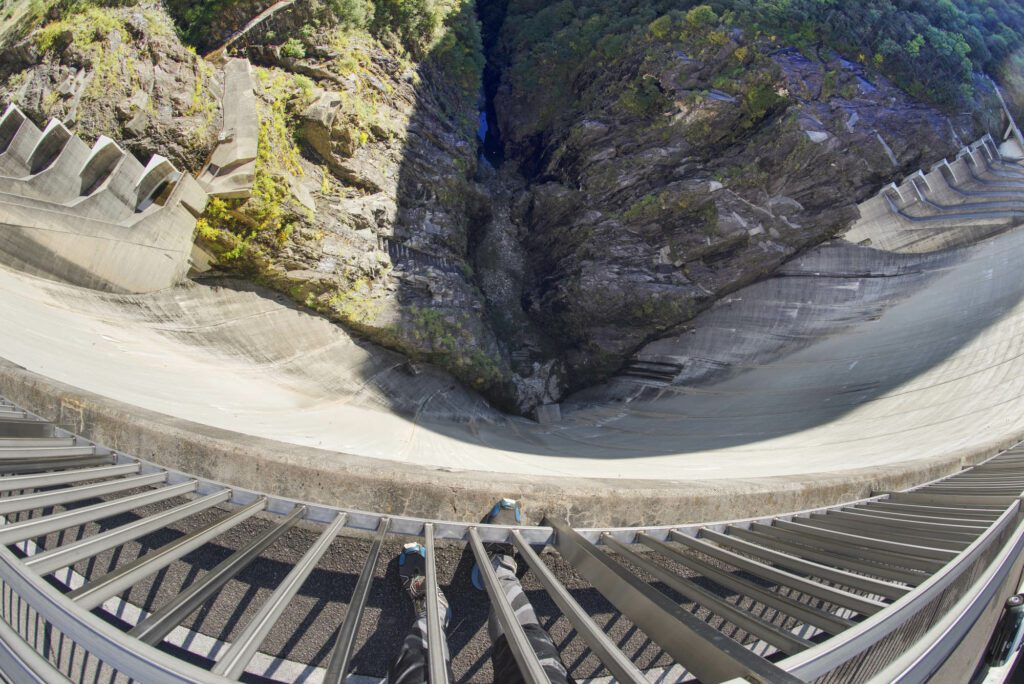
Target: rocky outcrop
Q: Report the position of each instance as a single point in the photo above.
(688, 167)
(387, 157)
(120, 72)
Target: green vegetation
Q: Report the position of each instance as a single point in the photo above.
(278, 155)
(88, 29)
(574, 57)
(673, 206)
(930, 49)
(203, 101)
(451, 345)
(234, 229)
(415, 25)
(293, 48)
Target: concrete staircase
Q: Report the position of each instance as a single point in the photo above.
(977, 195)
(92, 216)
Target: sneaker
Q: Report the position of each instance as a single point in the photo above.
(412, 571)
(506, 512)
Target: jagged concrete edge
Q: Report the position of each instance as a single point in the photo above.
(369, 484)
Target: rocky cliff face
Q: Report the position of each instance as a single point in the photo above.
(120, 72)
(380, 135)
(639, 174)
(688, 163)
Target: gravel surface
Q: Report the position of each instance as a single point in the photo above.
(307, 630)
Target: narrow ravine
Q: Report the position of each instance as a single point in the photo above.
(498, 254)
(492, 18)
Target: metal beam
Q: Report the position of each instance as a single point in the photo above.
(43, 453)
(436, 644)
(620, 666)
(242, 649)
(860, 604)
(787, 642)
(902, 521)
(20, 482)
(864, 566)
(975, 524)
(985, 503)
(36, 527)
(887, 529)
(823, 620)
(706, 653)
(845, 549)
(828, 655)
(841, 577)
(159, 624)
(338, 666)
(66, 495)
(39, 441)
(894, 530)
(858, 540)
(97, 591)
(935, 511)
(526, 658)
(69, 554)
(879, 533)
(34, 466)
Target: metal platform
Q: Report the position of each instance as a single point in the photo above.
(874, 590)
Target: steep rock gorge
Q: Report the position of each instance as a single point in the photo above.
(676, 161)
(640, 163)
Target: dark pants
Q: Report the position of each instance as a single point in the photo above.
(410, 667)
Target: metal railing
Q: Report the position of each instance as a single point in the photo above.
(858, 591)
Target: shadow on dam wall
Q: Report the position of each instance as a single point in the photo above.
(813, 348)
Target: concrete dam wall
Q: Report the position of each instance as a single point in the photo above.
(876, 358)
(92, 216)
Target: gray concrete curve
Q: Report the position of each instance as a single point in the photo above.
(851, 364)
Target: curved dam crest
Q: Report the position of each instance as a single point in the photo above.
(869, 359)
(833, 369)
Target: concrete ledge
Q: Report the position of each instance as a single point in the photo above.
(357, 482)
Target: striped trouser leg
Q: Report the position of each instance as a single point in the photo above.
(410, 667)
(505, 668)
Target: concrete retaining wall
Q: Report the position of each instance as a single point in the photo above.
(957, 203)
(85, 215)
(232, 168)
(368, 484)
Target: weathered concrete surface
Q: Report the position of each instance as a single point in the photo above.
(905, 366)
(853, 368)
(85, 215)
(957, 203)
(232, 167)
(147, 253)
(409, 489)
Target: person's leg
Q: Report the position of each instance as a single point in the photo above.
(505, 667)
(506, 670)
(411, 664)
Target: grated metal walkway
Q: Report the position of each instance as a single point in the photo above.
(831, 595)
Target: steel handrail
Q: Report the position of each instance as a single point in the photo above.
(830, 654)
(927, 655)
